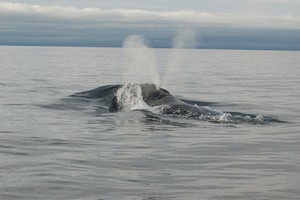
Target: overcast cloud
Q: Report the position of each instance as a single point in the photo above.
(35, 24)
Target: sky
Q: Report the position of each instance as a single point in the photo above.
(208, 24)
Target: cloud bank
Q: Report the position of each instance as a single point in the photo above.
(46, 25)
(13, 11)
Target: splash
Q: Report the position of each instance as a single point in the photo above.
(130, 97)
(142, 66)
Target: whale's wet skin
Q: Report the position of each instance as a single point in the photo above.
(157, 102)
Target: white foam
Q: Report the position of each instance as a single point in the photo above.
(224, 118)
(130, 97)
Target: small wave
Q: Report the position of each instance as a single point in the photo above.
(236, 119)
(214, 116)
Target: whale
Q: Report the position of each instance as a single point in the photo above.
(156, 101)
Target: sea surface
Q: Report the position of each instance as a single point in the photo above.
(54, 146)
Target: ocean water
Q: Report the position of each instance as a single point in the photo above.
(55, 146)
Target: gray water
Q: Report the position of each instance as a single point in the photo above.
(72, 151)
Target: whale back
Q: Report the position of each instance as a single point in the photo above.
(154, 99)
(154, 95)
